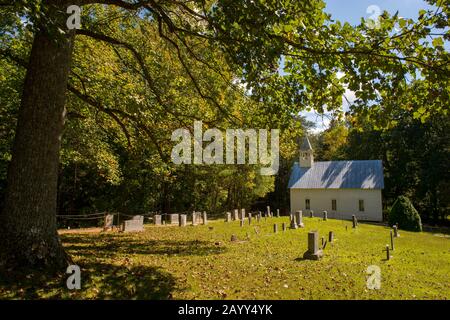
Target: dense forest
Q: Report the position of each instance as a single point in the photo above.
(86, 115)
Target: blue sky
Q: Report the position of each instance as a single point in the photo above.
(352, 11)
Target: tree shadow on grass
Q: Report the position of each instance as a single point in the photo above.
(98, 281)
(80, 245)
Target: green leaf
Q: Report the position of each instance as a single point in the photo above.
(438, 42)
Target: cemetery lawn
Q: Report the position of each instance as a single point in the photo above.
(169, 262)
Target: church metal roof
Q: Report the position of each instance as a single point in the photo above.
(356, 174)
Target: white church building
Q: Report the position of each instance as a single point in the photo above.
(342, 188)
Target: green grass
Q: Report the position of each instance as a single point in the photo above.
(202, 263)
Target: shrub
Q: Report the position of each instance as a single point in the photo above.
(404, 213)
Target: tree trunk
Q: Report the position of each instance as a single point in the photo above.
(28, 233)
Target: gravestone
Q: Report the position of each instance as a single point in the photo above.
(323, 241)
(392, 240)
(173, 218)
(396, 234)
(354, 221)
(275, 228)
(293, 223)
(284, 226)
(313, 252)
(233, 238)
(194, 218)
(258, 217)
(325, 215)
(205, 218)
(242, 214)
(228, 217)
(249, 218)
(299, 219)
(183, 220)
(268, 211)
(236, 214)
(135, 224)
(278, 213)
(331, 236)
(157, 219)
(388, 255)
(311, 213)
(241, 223)
(109, 220)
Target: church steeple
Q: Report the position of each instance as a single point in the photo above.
(306, 154)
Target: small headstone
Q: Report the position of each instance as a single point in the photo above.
(236, 214)
(354, 221)
(311, 213)
(157, 219)
(242, 214)
(299, 219)
(275, 228)
(228, 217)
(330, 236)
(313, 252)
(388, 256)
(194, 218)
(278, 213)
(325, 215)
(135, 224)
(392, 240)
(233, 238)
(173, 218)
(249, 218)
(108, 223)
(284, 226)
(268, 211)
(396, 234)
(205, 218)
(325, 244)
(183, 220)
(241, 223)
(293, 222)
